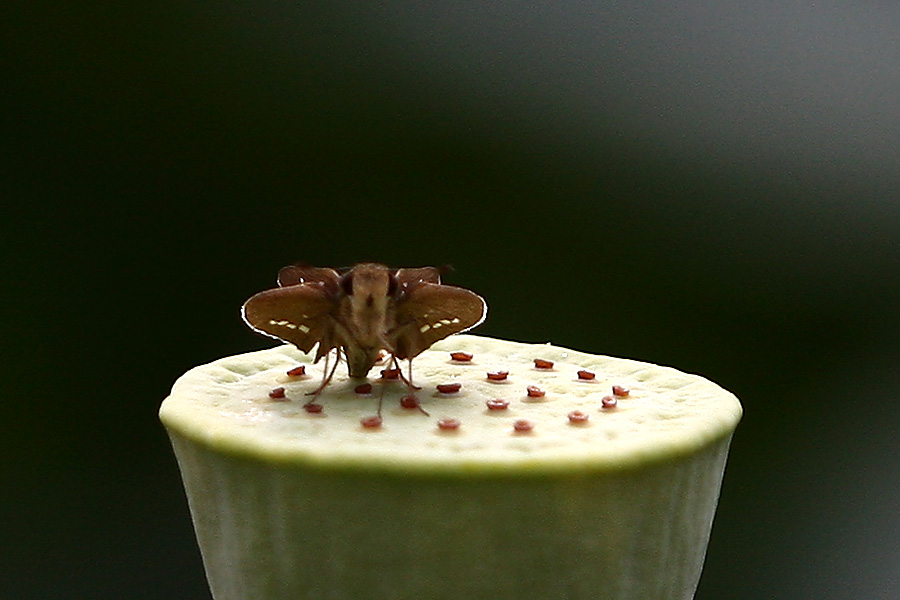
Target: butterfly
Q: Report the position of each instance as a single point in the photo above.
(361, 312)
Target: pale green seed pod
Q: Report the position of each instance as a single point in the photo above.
(580, 500)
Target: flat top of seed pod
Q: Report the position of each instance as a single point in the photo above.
(509, 415)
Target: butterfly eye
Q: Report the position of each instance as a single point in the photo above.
(347, 283)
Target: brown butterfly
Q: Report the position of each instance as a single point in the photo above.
(362, 311)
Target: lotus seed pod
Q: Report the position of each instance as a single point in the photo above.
(484, 493)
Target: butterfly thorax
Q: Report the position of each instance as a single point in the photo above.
(366, 317)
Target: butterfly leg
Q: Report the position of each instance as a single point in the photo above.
(327, 375)
(380, 401)
(395, 364)
(410, 400)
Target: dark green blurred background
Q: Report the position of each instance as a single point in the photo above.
(709, 186)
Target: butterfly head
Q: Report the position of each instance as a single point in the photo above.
(369, 289)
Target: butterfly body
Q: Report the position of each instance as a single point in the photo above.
(360, 312)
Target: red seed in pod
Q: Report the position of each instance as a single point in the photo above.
(277, 393)
(497, 404)
(576, 416)
(498, 375)
(534, 391)
(313, 407)
(449, 388)
(540, 363)
(448, 424)
(363, 388)
(461, 356)
(618, 390)
(371, 422)
(609, 401)
(297, 371)
(586, 375)
(523, 425)
(409, 401)
(390, 373)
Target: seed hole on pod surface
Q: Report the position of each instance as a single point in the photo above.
(578, 417)
(448, 424)
(534, 391)
(461, 356)
(363, 388)
(543, 364)
(372, 422)
(497, 375)
(449, 388)
(523, 426)
(390, 373)
(409, 401)
(497, 404)
(297, 371)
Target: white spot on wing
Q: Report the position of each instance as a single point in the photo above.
(424, 328)
(289, 325)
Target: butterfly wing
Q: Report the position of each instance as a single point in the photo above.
(417, 275)
(300, 314)
(297, 274)
(429, 312)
